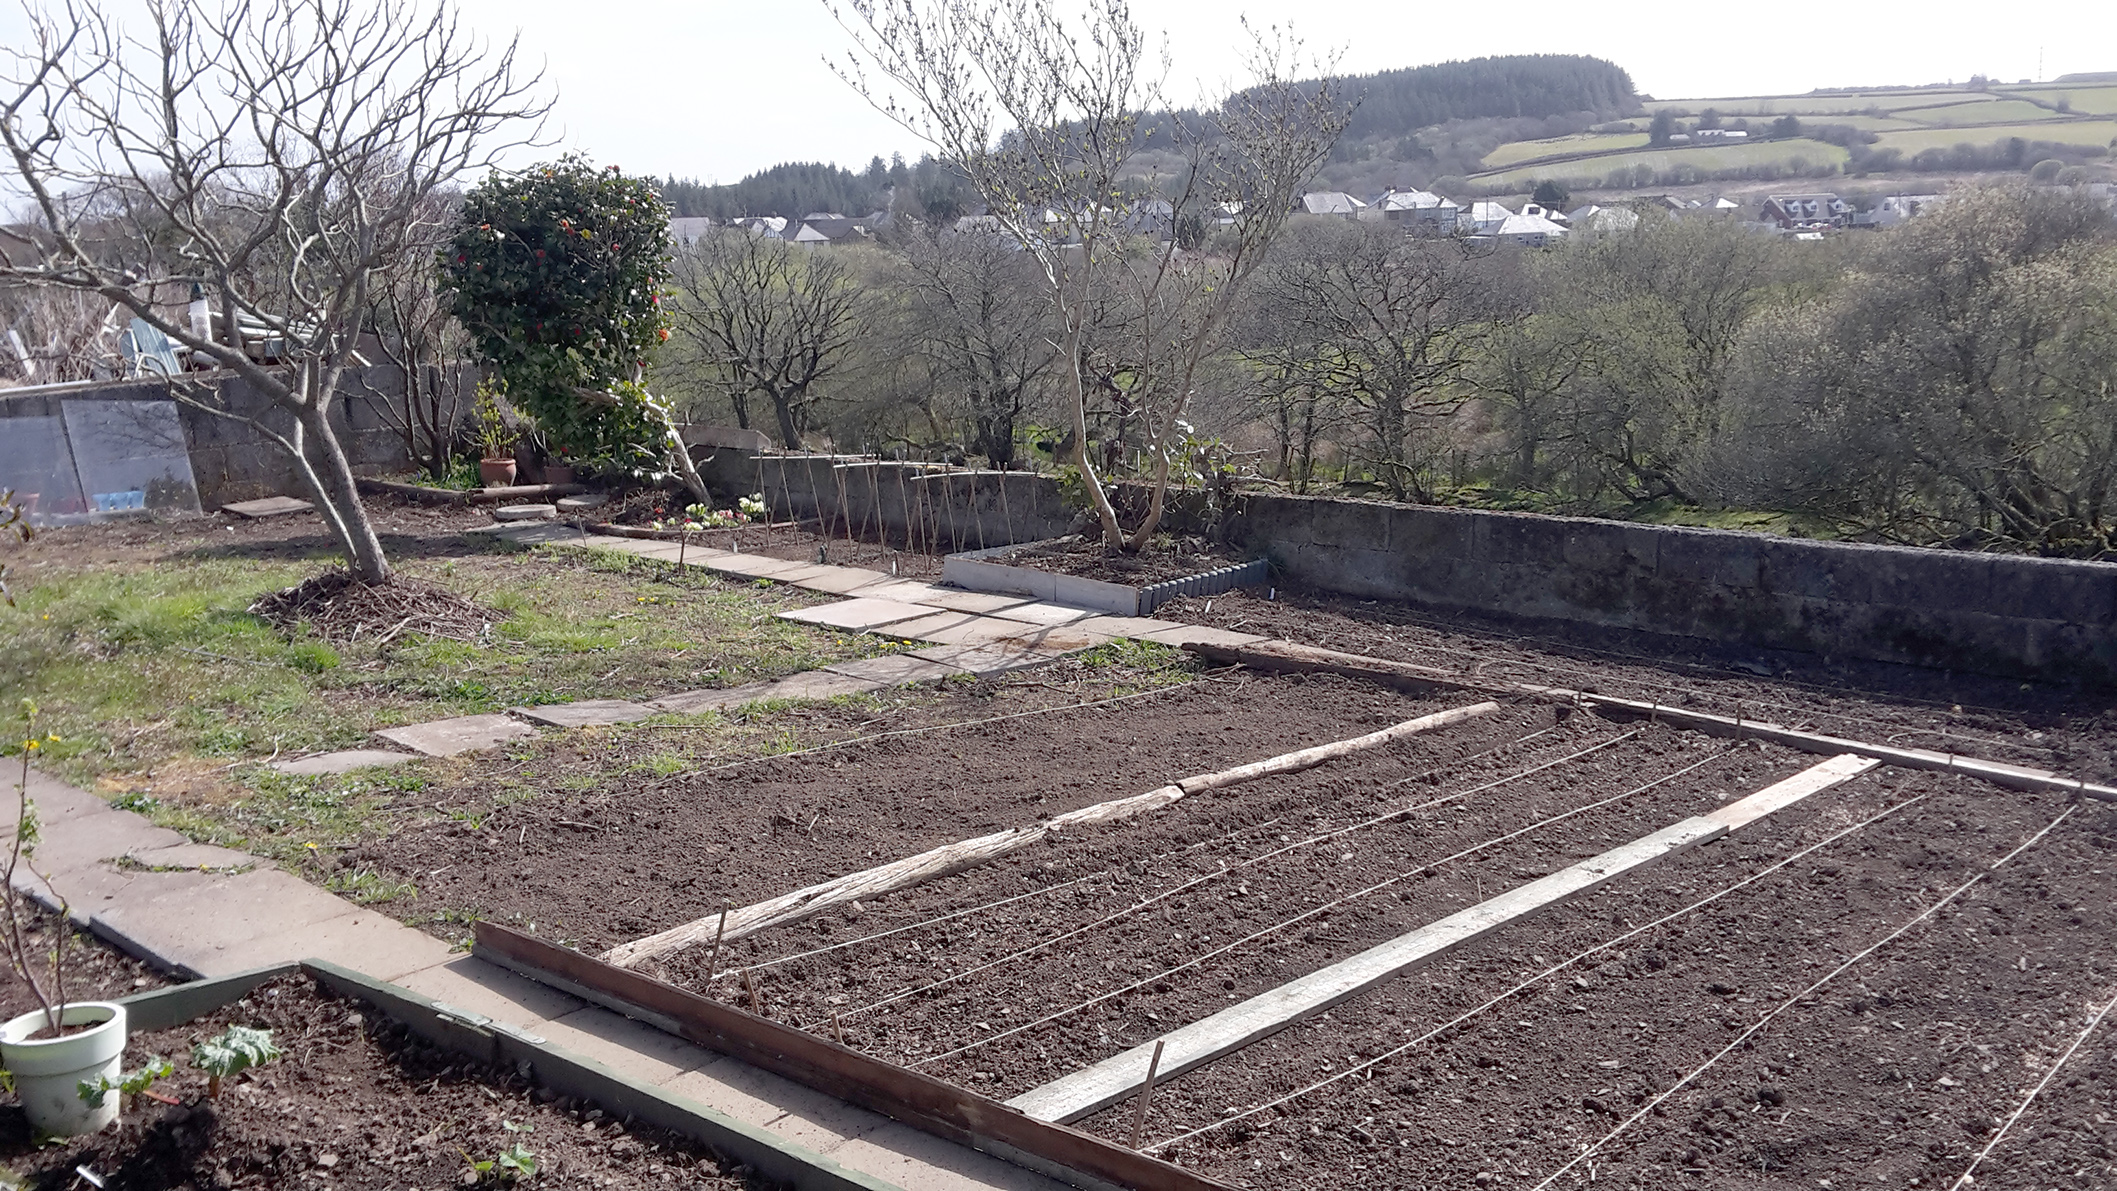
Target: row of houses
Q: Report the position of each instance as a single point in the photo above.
(1422, 212)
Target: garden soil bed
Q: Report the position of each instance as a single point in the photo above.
(357, 1102)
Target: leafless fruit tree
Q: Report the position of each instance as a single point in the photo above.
(281, 155)
(1044, 114)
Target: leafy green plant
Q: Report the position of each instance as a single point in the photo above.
(43, 970)
(512, 1165)
(129, 1084)
(496, 439)
(235, 1050)
(12, 521)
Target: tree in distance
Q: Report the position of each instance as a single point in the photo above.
(282, 158)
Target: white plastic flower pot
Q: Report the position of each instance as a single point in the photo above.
(49, 1072)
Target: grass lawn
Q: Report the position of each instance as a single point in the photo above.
(1516, 152)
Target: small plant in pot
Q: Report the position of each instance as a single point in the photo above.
(496, 439)
(49, 1063)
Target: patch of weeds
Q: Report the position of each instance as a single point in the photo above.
(368, 888)
(1131, 654)
(312, 657)
(662, 765)
(137, 801)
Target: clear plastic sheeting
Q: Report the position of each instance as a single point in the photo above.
(99, 459)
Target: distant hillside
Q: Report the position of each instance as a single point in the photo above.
(1398, 102)
(792, 189)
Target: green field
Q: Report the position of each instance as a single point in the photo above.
(1990, 111)
(1516, 152)
(2064, 132)
(1709, 159)
(1817, 105)
(2092, 101)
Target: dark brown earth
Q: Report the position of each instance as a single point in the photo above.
(1168, 558)
(95, 971)
(358, 1103)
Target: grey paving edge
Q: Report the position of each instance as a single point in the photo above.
(167, 1008)
(574, 1075)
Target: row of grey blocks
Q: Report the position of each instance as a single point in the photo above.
(1243, 574)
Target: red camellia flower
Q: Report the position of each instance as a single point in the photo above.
(664, 333)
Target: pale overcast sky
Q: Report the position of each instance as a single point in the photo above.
(715, 89)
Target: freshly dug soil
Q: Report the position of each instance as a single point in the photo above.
(95, 971)
(1167, 558)
(339, 607)
(357, 1102)
(637, 853)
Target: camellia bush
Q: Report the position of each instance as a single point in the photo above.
(557, 273)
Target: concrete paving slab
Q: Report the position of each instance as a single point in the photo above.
(533, 533)
(856, 614)
(956, 628)
(913, 1160)
(88, 890)
(84, 840)
(344, 761)
(529, 512)
(192, 856)
(985, 660)
(1038, 612)
(363, 940)
(587, 713)
(640, 1051)
(969, 601)
(643, 546)
(56, 800)
(839, 580)
(895, 669)
(1061, 638)
(489, 990)
(464, 734)
(793, 1111)
(904, 591)
(192, 925)
(701, 702)
(819, 684)
(1203, 635)
(803, 573)
(1125, 626)
(752, 566)
(270, 506)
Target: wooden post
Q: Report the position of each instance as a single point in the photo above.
(750, 985)
(1139, 1113)
(713, 960)
(837, 1028)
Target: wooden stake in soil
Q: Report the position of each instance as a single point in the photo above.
(750, 986)
(837, 1028)
(713, 960)
(1139, 1112)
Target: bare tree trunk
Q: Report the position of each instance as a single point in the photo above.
(363, 547)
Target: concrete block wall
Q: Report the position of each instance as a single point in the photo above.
(954, 509)
(1988, 613)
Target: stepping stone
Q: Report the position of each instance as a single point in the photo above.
(1203, 635)
(189, 921)
(1037, 612)
(85, 841)
(819, 684)
(845, 580)
(967, 601)
(701, 702)
(753, 566)
(537, 512)
(895, 669)
(270, 506)
(578, 504)
(1126, 626)
(343, 761)
(588, 713)
(984, 660)
(464, 734)
(538, 534)
(856, 614)
(958, 628)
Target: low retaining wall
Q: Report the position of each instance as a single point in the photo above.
(1988, 613)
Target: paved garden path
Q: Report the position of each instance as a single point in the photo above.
(207, 911)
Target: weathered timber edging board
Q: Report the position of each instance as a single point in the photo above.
(1287, 657)
(920, 1101)
(1071, 1097)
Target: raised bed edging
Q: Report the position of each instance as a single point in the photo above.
(496, 1044)
(981, 570)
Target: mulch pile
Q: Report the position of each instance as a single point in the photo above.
(341, 608)
(1164, 559)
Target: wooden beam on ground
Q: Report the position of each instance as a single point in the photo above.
(1091, 1089)
(1287, 657)
(954, 858)
(921, 1101)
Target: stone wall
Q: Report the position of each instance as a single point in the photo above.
(949, 508)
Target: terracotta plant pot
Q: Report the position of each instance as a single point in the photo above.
(496, 473)
(50, 1071)
(558, 473)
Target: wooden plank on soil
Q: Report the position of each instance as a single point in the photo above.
(921, 1101)
(1287, 657)
(1091, 1089)
(955, 857)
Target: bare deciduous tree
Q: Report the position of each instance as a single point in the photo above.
(1043, 115)
(983, 327)
(281, 154)
(768, 320)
